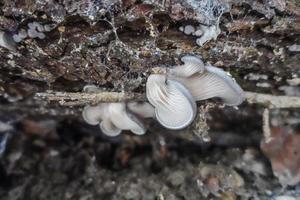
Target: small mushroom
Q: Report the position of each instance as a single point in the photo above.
(214, 82)
(141, 109)
(209, 33)
(94, 114)
(175, 108)
(192, 65)
(7, 41)
(108, 128)
(113, 118)
(124, 120)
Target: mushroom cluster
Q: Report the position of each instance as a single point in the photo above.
(174, 94)
(115, 117)
(35, 30)
(172, 99)
(203, 32)
(10, 39)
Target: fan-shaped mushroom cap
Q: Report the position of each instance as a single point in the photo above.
(94, 114)
(214, 82)
(108, 128)
(142, 109)
(124, 120)
(175, 108)
(192, 65)
(7, 41)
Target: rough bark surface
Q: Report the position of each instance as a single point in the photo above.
(48, 152)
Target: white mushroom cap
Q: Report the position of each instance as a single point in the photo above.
(142, 109)
(94, 114)
(125, 120)
(175, 108)
(189, 29)
(113, 118)
(7, 41)
(192, 65)
(214, 82)
(209, 33)
(108, 128)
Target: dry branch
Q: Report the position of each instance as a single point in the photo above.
(271, 101)
(82, 98)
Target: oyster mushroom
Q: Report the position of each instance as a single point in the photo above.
(7, 41)
(94, 114)
(141, 109)
(213, 82)
(113, 118)
(175, 107)
(108, 128)
(192, 65)
(125, 120)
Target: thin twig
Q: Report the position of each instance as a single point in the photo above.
(271, 101)
(83, 98)
(266, 125)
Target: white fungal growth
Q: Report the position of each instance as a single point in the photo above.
(205, 33)
(35, 30)
(189, 29)
(192, 65)
(209, 83)
(172, 95)
(141, 109)
(175, 108)
(115, 117)
(22, 34)
(209, 33)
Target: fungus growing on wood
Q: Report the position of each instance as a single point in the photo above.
(175, 108)
(115, 117)
(192, 65)
(209, 83)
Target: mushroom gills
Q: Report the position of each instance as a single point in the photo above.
(214, 82)
(108, 128)
(175, 107)
(192, 65)
(124, 120)
(94, 114)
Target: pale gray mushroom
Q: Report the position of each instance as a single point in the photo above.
(209, 33)
(189, 29)
(22, 34)
(7, 41)
(94, 114)
(124, 120)
(175, 108)
(141, 109)
(192, 65)
(108, 128)
(113, 118)
(214, 82)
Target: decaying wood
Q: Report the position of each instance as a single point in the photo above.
(80, 98)
(272, 101)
